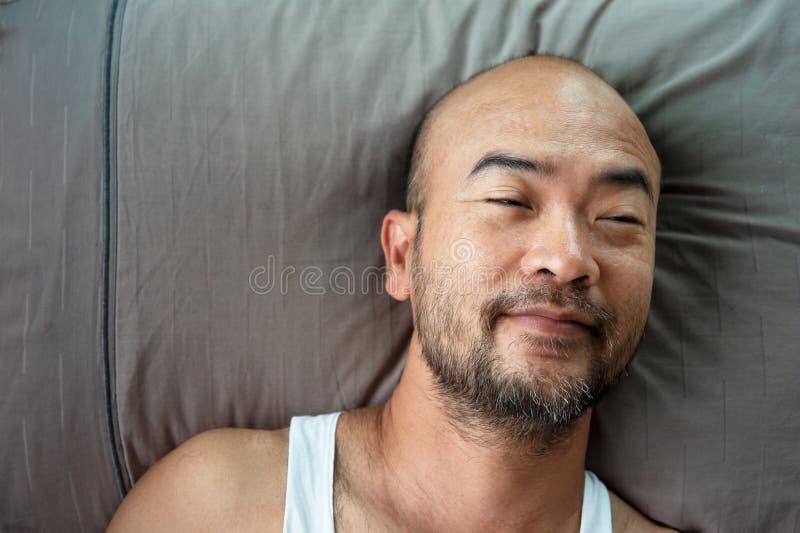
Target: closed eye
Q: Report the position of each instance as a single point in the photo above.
(507, 202)
(625, 220)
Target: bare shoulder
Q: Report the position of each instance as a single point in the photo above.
(624, 518)
(219, 480)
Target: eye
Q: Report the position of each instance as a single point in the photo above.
(507, 202)
(622, 219)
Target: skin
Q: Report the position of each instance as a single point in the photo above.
(408, 464)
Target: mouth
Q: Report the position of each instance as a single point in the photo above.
(550, 321)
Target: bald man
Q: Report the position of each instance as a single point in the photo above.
(527, 253)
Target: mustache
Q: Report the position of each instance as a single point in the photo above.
(569, 299)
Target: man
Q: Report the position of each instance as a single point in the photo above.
(527, 253)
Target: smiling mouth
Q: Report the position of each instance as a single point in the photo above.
(550, 325)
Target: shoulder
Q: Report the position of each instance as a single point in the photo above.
(222, 479)
(624, 518)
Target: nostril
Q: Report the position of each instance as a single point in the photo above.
(581, 281)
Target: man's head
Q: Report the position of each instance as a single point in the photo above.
(531, 280)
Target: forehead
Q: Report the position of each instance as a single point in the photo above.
(561, 121)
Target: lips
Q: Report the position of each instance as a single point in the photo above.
(553, 321)
(556, 314)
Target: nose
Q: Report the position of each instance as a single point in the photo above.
(561, 253)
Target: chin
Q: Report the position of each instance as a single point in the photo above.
(543, 366)
(534, 349)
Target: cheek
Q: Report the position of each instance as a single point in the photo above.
(448, 268)
(461, 245)
(627, 284)
(445, 239)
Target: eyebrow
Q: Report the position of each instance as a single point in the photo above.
(625, 177)
(511, 162)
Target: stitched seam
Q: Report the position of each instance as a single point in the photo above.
(110, 81)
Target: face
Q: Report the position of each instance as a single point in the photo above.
(533, 262)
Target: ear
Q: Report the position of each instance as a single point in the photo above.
(397, 238)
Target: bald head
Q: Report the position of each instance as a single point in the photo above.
(565, 90)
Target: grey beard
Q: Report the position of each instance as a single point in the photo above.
(493, 407)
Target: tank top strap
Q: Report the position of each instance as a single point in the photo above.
(309, 476)
(596, 510)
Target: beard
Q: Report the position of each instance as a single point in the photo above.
(487, 401)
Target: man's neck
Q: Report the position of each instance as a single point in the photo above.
(439, 477)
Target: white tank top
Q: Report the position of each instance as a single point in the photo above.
(309, 481)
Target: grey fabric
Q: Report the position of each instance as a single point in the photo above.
(56, 466)
(234, 150)
(253, 135)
